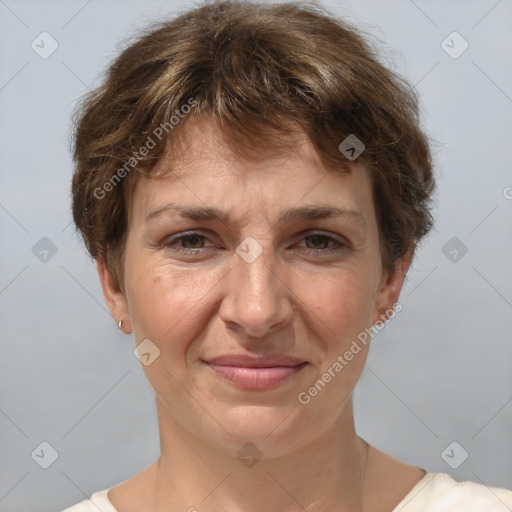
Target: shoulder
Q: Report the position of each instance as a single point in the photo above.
(439, 492)
(99, 500)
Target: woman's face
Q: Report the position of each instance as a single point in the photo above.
(272, 279)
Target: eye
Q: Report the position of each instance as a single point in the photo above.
(316, 243)
(182, 242)
(319, 242)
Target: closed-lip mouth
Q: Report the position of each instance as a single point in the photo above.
(244, 361)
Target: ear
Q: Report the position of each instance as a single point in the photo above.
(390, 288)
(114, 297)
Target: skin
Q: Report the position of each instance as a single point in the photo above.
(212, 302)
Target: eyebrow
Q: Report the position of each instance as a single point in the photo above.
(299, 213)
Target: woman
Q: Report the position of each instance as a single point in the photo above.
(253, 184)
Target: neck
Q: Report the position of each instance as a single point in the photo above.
(196, 474)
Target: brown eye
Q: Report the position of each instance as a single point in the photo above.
(194, 240)
(323, 244)
(188, 243)
(318, 241)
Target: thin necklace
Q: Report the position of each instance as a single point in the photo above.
(364, 475)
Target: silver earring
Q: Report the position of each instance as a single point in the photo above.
(120, 325)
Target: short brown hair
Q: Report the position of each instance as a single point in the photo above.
(259, 70)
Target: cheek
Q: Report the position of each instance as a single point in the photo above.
(342, 301)
(342, 306)
(166, 303)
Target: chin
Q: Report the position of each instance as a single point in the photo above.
(272, 430)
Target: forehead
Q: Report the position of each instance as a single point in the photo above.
(204, 166)
(204, 139)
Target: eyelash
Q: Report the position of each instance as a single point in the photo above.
(338, 247)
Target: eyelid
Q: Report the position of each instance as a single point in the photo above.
(185, 234)
(302, 234)
(337, 238)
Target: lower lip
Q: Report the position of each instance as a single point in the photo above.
(256, 378)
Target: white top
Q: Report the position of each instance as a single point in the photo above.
(435, 492)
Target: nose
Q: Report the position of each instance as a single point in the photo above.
(258, 298)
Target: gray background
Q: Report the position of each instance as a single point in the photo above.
(438, 373)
